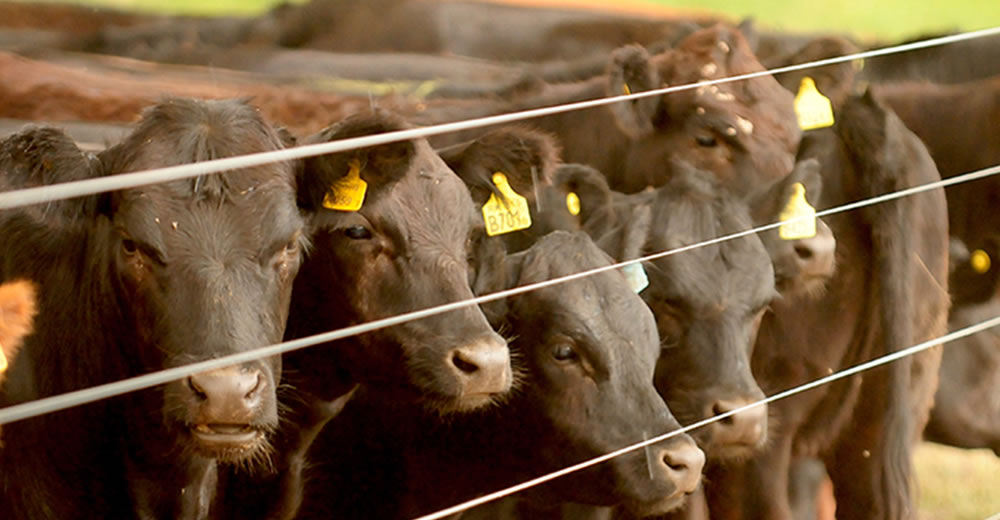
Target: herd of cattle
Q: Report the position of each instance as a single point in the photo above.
(412, 418)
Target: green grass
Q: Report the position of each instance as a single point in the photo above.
(957, 484)
(888, 19)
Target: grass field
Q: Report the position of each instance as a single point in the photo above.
(957, 484)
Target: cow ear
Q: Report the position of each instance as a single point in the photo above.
(17, 311)
(491, 270)
(767, 204)
(835, 82)
(590, 187)
(526, 156)
(630, 71)
(636, 233)
(42, 156)
(748, 27)
(378, 166)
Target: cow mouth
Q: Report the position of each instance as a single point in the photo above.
(227, 438)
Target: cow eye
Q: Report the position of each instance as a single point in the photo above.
(706, 141)
(129, 246)
(292, 246)
(563, 352)
(358, 232)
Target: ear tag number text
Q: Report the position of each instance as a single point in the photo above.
(507, 214)
(348, 193)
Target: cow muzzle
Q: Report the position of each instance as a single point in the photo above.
(737, 434)
(482, 371)
(226, 410)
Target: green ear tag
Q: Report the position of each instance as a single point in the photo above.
(980, 261)
(503, 218)
(348, 193)
(636, 277)
(797, 207)
(573, 203)
(812, 108)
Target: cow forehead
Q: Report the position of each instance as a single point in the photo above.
(166, 216)
(732, 272)
(717, 278)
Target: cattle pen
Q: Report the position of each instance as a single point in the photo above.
(296, 104)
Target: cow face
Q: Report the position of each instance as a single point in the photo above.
(745, 132)
(708, 303)
(590, 349)
(207, 266)
(406, 248)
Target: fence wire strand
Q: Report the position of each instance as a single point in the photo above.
(24, 197)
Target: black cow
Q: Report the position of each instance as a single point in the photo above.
(584, 352)
(407, 247)
(964, 413)
(139, 280)
(889, 292)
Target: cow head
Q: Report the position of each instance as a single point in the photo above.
(406, 248)
(587, 350)
(708, 303)
(206, 266)
(744, 132)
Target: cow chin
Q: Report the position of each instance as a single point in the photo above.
(443, 405)
(655, 508)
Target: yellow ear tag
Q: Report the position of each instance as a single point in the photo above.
(573, 203)
(3, 361)
(797, 207)
(348, 193)
(980, 261)
(812, 108)
(626, 90)
(503, 218)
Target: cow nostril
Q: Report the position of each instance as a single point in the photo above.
(719, 409)
(197, 390)
(803, 252)
(462, 364)
(252, 394)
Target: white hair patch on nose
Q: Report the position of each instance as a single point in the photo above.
(709, 69)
